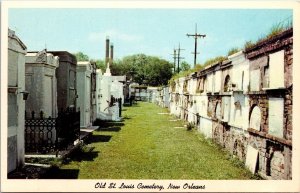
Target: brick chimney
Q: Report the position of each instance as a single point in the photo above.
(111, 53)
(107, 50)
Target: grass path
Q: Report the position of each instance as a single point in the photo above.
(147, 145)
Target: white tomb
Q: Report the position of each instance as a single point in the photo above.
(239, 110)
(226, 108)
(240, 73)
(251, 158)
(276, 109)
(16, 103)
(41, 83)
(206, 127)
(276, 69)
(110, 88)
(217, 81)
(255, 118)
(98, 91)
(83, 81)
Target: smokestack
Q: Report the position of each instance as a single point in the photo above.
(107, 50)
(111, 53)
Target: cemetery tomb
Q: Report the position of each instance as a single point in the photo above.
(192, 86)
(98, 91)
(276, 106)
(218, 111)
(277, 165)
(245, 81)
(276, 68)
(121, 84)
(239, 110)
(202, 105)
(251, 159)
(209, 87)
(258, 73)
(227, 84)
(41, 83)
(181, 83)
(204, 85)
(112, 90)
(217, 81)
(16, 104)
(105, 98)
(84, 70)
(226, 108)
(66, 80)
(93, 92)
(255, 80)
(240, 71)
(166, 97)
(205, 127)
(255, 118)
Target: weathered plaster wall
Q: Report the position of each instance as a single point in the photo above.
(251, 113)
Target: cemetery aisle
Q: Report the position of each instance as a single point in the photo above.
(151, 144)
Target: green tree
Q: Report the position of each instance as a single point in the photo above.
(184, 66)
(81, 56)
(140, 68)
(143, 69)
(99, 64)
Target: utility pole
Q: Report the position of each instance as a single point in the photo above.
(174, 57)
(196, 35)
(178, 57)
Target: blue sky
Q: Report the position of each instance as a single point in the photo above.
(150, 31)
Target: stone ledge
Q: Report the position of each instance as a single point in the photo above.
(271, 137)
(262, 92)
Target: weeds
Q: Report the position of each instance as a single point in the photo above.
(233, 51)
(189, 126)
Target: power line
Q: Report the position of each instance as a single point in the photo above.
(178, 57)
(196, 36)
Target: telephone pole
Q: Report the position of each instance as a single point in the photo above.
(196, 36)
(174, 57)
(178, 57)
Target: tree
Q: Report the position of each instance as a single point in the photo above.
(184, 66)
(140, 68)
(99, 64)
(81, 56)
(143, 69)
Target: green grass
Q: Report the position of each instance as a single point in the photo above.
(147, 146)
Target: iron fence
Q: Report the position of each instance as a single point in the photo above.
(46, 135)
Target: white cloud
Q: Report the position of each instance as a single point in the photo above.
(114, 35)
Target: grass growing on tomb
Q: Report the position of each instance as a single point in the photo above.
(149, 146)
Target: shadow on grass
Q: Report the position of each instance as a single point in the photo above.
(57, 173)
(27, 172)
(98, 138)
(109, 129)
(83, 153)
(135, 104)
(103, 123)
(126, 117)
